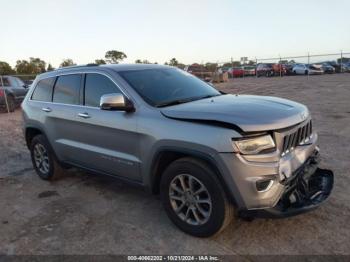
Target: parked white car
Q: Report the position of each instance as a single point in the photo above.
(305, 69)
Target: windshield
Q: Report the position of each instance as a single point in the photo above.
(163, 87)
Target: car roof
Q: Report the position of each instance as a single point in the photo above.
(117, 67)
(114, 67)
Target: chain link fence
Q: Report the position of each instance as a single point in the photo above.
(280, 65)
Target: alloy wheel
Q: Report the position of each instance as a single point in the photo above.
(41, 158)
(190, 199)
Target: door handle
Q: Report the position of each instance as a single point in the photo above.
(46, 109)
(84, 115)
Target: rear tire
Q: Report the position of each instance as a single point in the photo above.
(306, 72)
(44, 160)
(199, 214)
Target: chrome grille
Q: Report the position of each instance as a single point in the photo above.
(300, 136)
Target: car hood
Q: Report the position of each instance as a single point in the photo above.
(247, 112)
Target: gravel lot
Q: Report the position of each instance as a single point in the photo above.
(86, 214)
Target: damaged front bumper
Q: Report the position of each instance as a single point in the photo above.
(305, 190)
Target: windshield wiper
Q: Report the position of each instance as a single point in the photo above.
(186, 100)
(174, 102)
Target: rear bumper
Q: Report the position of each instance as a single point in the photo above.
(307, 189)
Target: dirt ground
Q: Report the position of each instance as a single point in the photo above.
(86, 214)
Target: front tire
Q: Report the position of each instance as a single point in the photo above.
(194, 199)
(44, 160)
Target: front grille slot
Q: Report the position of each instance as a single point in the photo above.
(296, 138)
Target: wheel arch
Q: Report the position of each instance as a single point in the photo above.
(165, 156)
(30, 133)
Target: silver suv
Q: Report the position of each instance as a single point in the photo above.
(209, 155)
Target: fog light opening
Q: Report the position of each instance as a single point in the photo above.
(264, 185)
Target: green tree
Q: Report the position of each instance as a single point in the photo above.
(38, 66)
(23, 67)
(181, 66)
(6, 69)
(50, 68)
(114, 56)
(251, 62)
(235, 63)
(144, 61)
(67, 62)
(173, 62)
(344, 60)
(100, 61)
(33, 66)
(211, 67)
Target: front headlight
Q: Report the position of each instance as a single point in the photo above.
(251, 146)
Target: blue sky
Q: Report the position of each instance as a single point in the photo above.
(157, 30)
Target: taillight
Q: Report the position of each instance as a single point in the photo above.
(1, 93)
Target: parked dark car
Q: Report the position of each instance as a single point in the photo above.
(265, 70)
(28, 82)
(288, 69)
(345, 67)
(327, 68)
(199, 71)
(334, 64)
(14, 89)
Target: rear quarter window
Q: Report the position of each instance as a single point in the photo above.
(43, 90)
(67, 89)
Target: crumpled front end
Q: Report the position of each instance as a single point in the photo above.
(304, 191)
(284, 182)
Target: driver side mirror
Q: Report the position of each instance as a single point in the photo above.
(117, 102)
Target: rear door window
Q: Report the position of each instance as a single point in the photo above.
(97, 85)
(43, 90)
(67, 89)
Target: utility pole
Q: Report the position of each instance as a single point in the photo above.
(308, 64)
(341, 61)
(280, 66)
(5, 95)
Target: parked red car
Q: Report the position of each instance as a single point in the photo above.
(235, 72)
(279, 69)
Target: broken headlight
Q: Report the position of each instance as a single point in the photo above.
(252, 146)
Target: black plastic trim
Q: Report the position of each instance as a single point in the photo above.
(196, 154)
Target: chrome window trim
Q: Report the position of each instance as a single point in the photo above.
(77, 73)
(80, 106)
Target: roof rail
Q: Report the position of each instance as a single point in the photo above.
(77, 66)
